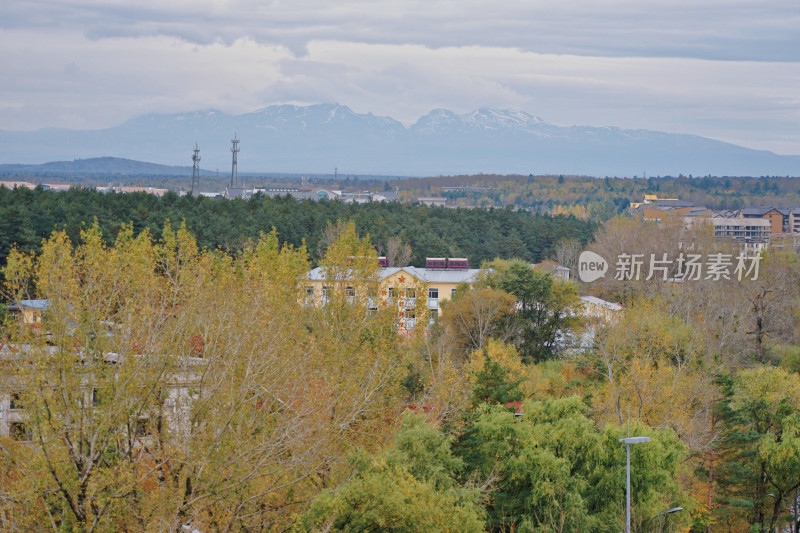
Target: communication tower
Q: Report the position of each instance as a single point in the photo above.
(234, 163)
(196, 170)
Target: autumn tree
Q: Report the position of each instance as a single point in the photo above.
(355, 347)
(398, 253)
(174, 386)
(473, 317)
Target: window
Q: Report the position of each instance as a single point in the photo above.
(18, 431)
(372, 299)
(411, 298)
(350, 292)
(433, 298)
(309, 298)
(324, 295)
(411, 318)
(140, 427)
(16, 402)
(391, 295)
(432, 315)
(452, 292)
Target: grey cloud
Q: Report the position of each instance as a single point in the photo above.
(714, 29)
(590, 72)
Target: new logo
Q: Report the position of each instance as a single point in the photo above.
(591, 267)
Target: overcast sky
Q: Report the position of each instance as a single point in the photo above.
(725, 69)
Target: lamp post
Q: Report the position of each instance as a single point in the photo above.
(628, 441)
(668, 511)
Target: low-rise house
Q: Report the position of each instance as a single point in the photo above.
(651, 199)
(595, 314)
(119, 189)
(594, 308)
(29, 312)
(433, 201)
(659, 212)
(21, 184)
(316, 193)
(554, 269)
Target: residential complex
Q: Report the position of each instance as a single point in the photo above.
(753, 227)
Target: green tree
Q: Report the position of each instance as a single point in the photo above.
(493, 386)
(546, 307)
(760, 446)
(409, 488)
(552, 470)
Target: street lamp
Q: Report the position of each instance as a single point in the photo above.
(668, 511)
(628, 441)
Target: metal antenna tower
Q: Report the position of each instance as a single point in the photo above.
(196, 170)
(234, 151)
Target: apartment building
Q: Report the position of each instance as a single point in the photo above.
(178, 386)
(771, 214)
(411, 290)
(752, 233)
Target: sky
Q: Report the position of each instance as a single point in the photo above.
(724, 69)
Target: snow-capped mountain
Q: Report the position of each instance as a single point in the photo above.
(486, 119)
(319, 138)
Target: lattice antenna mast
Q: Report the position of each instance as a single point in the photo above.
(234, 163)
(196, 170)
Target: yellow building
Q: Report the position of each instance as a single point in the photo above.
(416, 292)
(651, 199)
(29, 312)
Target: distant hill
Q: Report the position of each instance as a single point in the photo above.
(101, 166)
(320, 138)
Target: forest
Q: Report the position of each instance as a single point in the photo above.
(28, 216)
(595, 198)
(179, 383)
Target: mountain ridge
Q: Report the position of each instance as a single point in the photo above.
(322, 137)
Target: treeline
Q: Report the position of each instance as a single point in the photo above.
(28, 216)
(605, 197)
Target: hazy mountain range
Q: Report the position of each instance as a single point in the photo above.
(319, 138)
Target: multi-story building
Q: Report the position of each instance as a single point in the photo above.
(407, 288)
(177, 385)
(793, 220)
(771, 214)
(752, 233)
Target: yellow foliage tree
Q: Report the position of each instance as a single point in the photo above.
(173, 386)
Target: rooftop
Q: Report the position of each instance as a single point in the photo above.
(29, 304)
(423, 274)
(741, 222)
